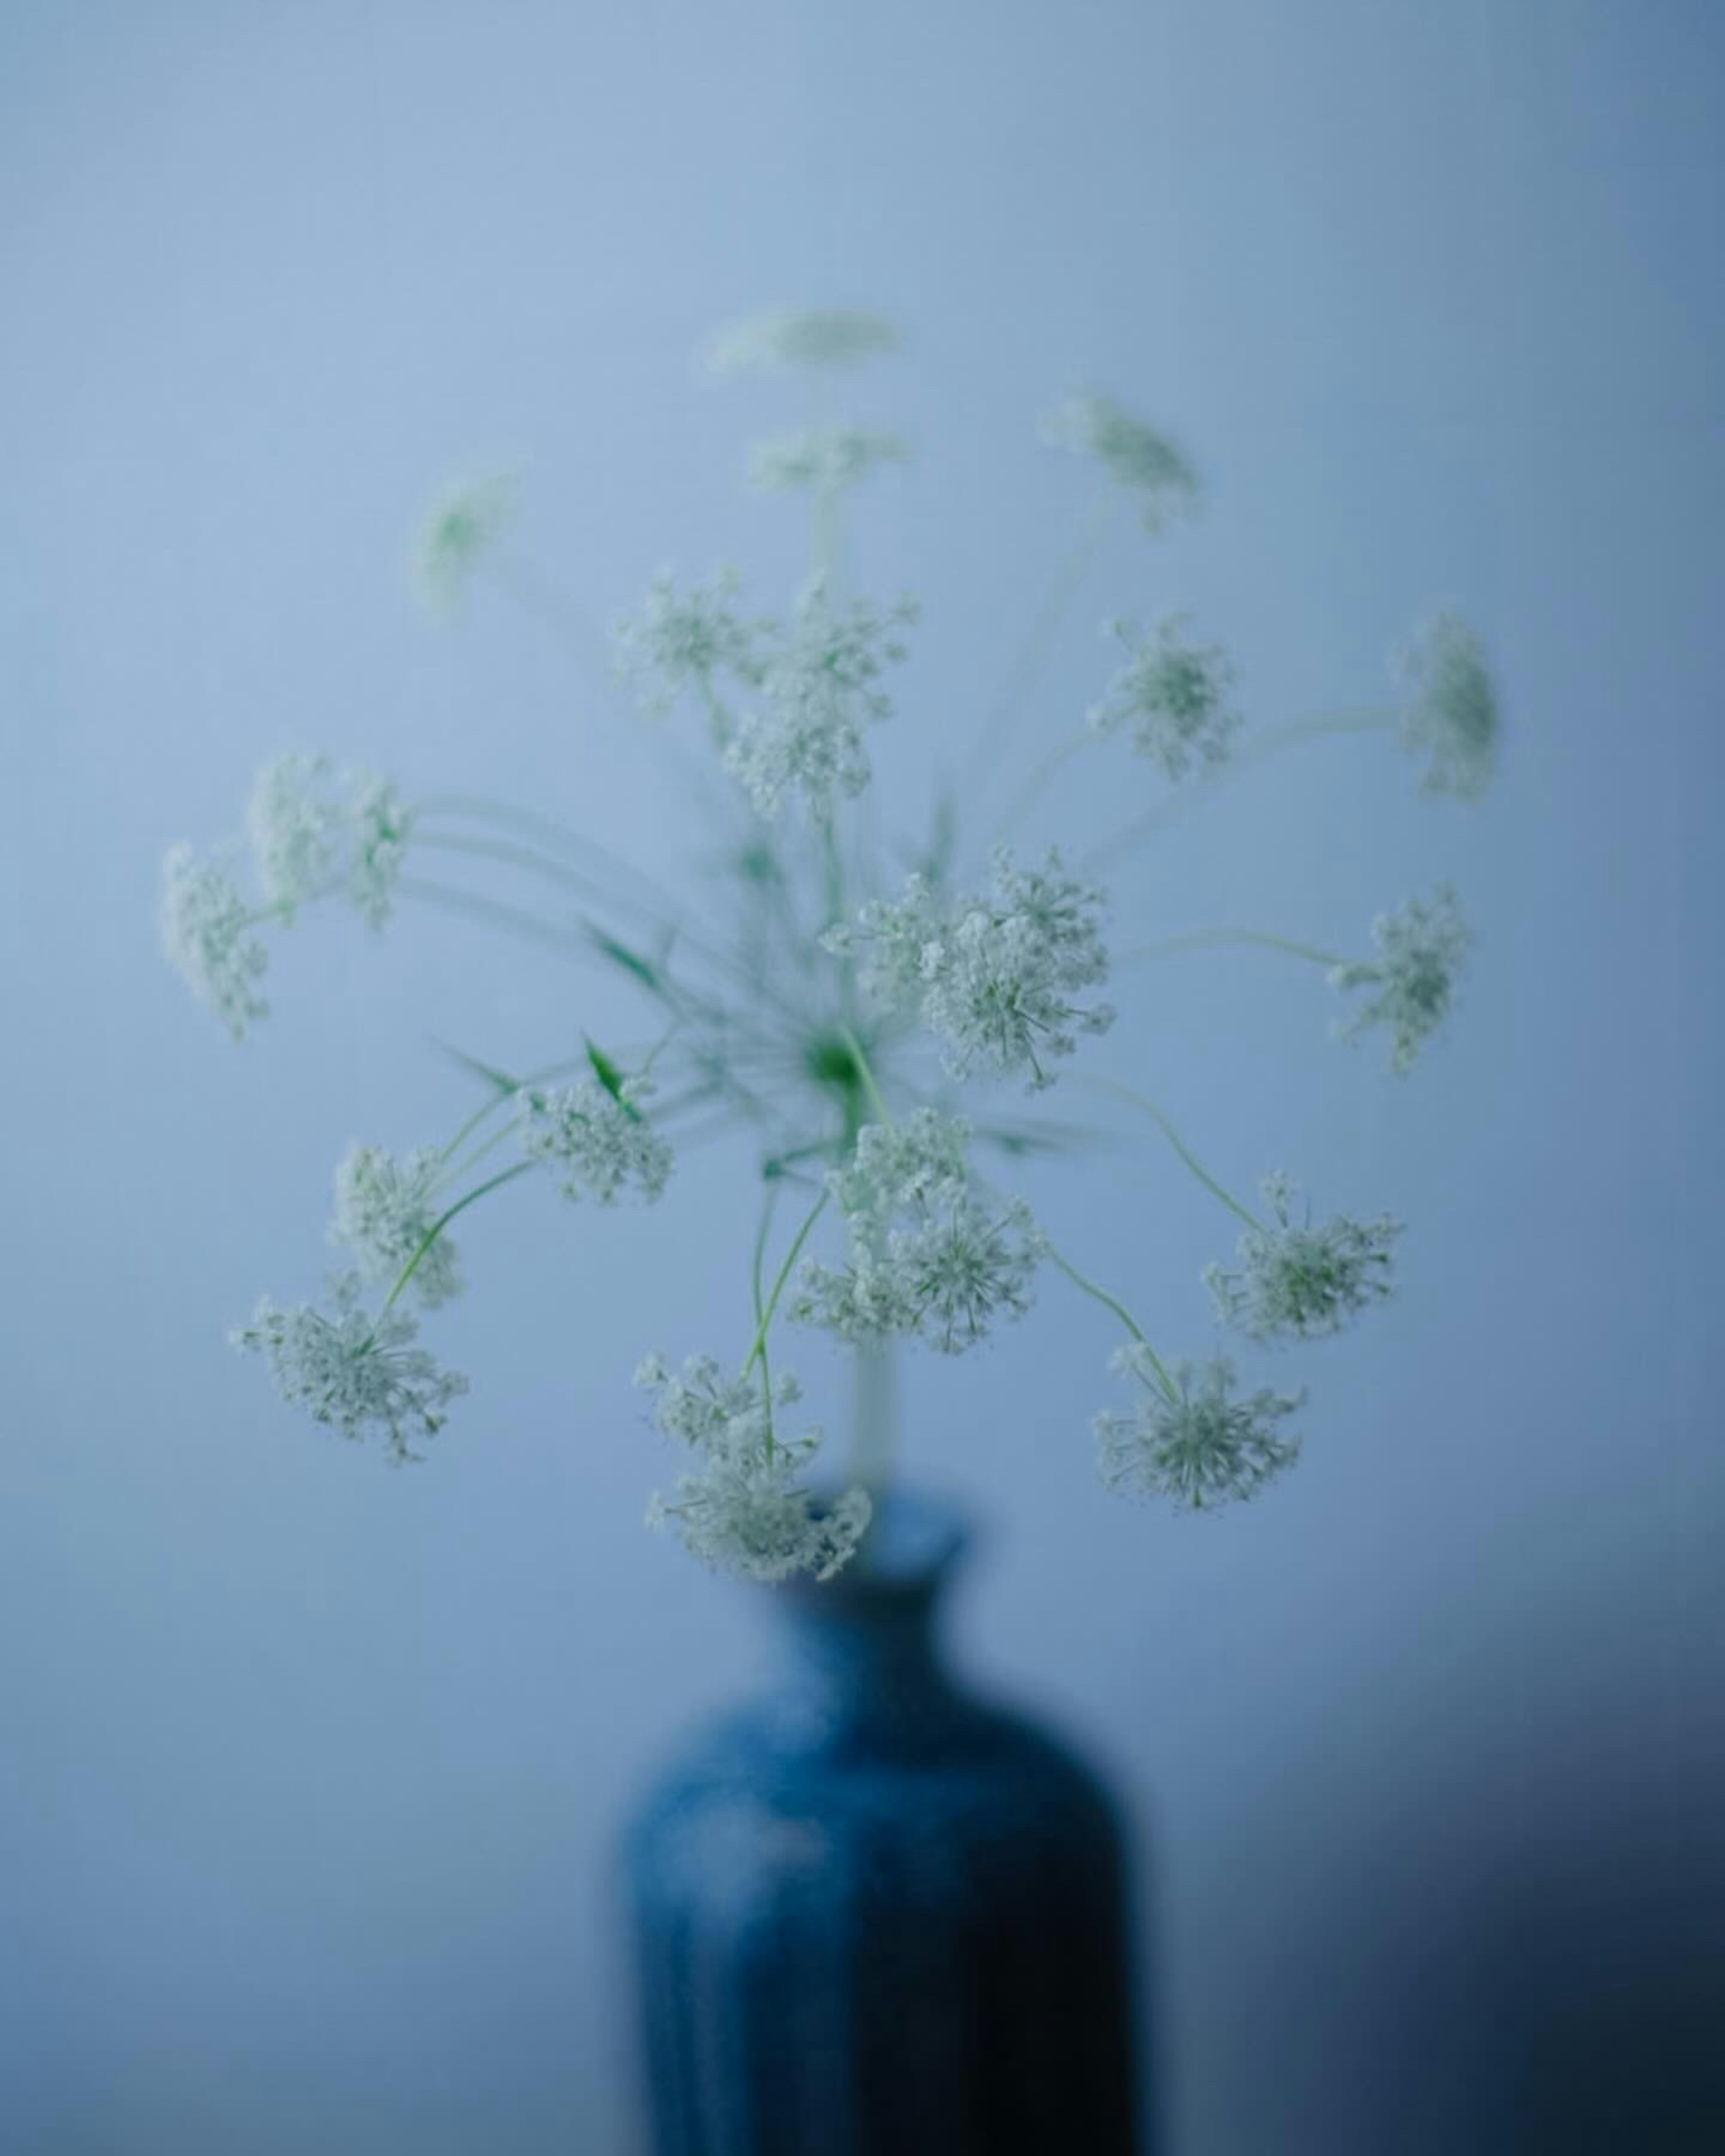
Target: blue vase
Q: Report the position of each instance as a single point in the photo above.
(875, 1916)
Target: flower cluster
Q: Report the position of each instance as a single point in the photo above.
(995, 974)
(818, 688)
(208, 934)
(679, 642)
(799, 338)
(350, 1370)
(1192, 1439)
(743, 1508)
(386, 1207)
(1452, 714)
(599, 1140)
(317, 833)
(1296, 1281)
(824, 458)
(463, 523)
(1134, 455)
(1174, 695)
(1421, 947)
(927, 1257)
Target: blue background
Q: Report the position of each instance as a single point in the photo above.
(308, 1770)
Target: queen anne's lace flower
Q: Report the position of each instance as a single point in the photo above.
(1199, 1446)
(464, 521)
(825, 457)
(1133, 453)
(350, 1370)
(799, 337)
(315, 834)
(1452, 716)
(385, 1207)
(677, 642)
(600, 1144)
(1298, 1282)
(927, 1256)
(742, 1508)
(1421, 947)
(1174, 695)
(818, 686)
(207, 931)
(996, 972)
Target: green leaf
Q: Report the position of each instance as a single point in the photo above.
(500, 1079)
(610, 1077)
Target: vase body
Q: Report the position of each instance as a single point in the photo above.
(875, 1916)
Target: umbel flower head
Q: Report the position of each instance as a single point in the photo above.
(676, 642)
(742, 1507)
(927, 1256)
(352, 1371)
(1196, 1444)
(385, 1206)
(464, 523)
(598, 1142)
(1420, 949)
(818, 688)
(1296, 1281)
(1134, 455)
(799, 338)
(315, 833)
(1173, 696)
(207, 930)
(824, 458)
(995, 974)
(1452, 715)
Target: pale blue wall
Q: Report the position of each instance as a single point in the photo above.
(307, 1769)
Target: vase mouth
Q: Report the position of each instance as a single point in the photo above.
(913, 1540)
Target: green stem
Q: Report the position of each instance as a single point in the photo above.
(769, 1200)
(1109, 1302)
(1204, 939)
(437, 1226)
(1149, 1108)
(1254, 751)
(758, 1346)
(1038, 645)
(548, 830)
(866, 1072)
(1061, 752)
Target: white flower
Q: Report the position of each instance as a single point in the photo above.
(1198, 1446)
(315, 834)
(602, 1143)
(996, 974)
(1300, 1281)
(350, 1370)
(466, 519)
(1174, 695)
(817, 684)
(1134, 455)
(385, 1207)
(207, 933)
(676, 642)
(796, 337)
(890, 941)
(742, 1507)
(1420, 949)
(825, 457)
(1453, 714)
(927, 1256)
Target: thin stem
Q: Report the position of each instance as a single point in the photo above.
(1149, 1108)
(1061, 752)
(437, 1226)
(758, 1346)
(1204, 939)
(547, 828)
(1038, 645)
(866, 1072)
(541, 864)
(769, 1200)
(1109, 1302)
(1254, 752)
